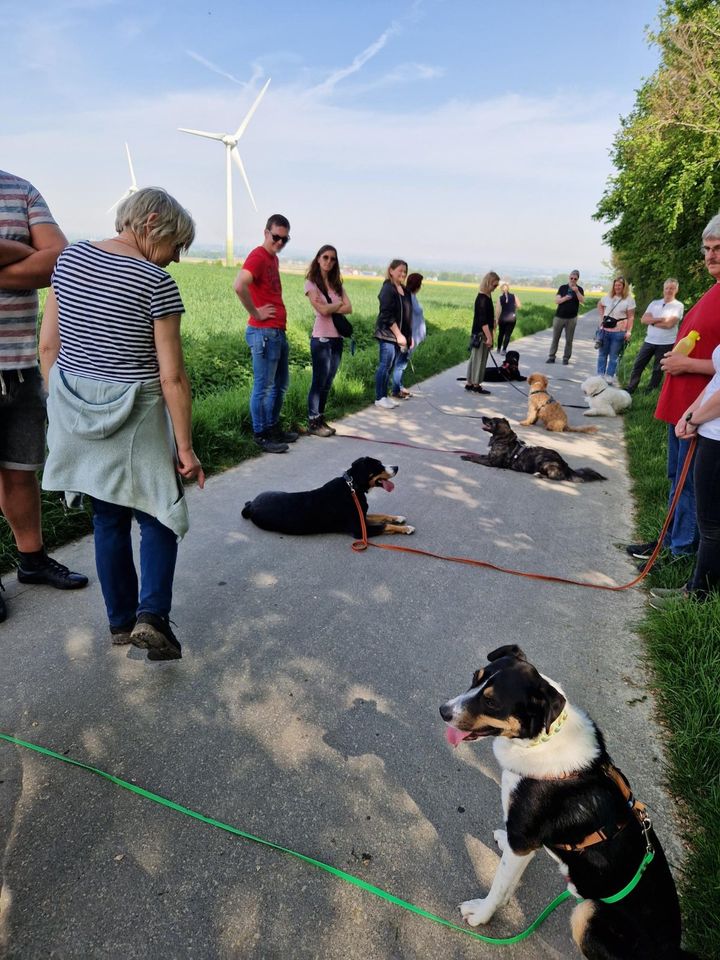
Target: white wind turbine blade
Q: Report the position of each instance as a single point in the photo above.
(238, 161)
(202, 133)
(241, 129)
(118, 202)
(133, 181)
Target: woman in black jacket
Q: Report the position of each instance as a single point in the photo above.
(392, 328)
(481, 337)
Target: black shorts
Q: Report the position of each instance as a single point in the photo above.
(22, 419)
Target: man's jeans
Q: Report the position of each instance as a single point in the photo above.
(388, 354)
(269, 349)
(116, 568)
(682, 537)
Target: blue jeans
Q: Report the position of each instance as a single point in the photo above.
(612, 343)
(682, 537)
(269, 349)
(326, 354)
(388, 355)
(401, 362)
(116, 568)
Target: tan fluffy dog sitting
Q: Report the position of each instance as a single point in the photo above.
(542, 407)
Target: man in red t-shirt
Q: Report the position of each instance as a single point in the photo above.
(260, 292)
(686, 378)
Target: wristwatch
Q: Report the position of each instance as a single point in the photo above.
(688, 419)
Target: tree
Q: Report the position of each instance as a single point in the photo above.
(667, 156)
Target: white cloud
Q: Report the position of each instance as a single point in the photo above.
(499, 180)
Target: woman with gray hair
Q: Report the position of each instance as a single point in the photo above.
(481, 335)
(119, 407)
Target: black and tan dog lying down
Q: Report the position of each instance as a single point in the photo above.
(330, 508)
(508, 452)
(561, 791)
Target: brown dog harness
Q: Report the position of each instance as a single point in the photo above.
(636, 808)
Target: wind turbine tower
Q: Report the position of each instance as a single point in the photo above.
(231, 153)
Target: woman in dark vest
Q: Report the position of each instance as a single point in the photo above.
(481, 335)
(507, 308)
(393, 328)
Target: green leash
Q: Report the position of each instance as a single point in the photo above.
(348, 877)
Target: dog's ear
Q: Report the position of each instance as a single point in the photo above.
(477, 677)
(554, 705)
(360, 471)
(509, 650)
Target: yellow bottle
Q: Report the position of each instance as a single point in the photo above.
(687, 344)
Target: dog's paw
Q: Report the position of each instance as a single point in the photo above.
(408, 530)
(399, 519)
(476, 912)
(501, 839)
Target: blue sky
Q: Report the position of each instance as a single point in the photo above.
(459, 131)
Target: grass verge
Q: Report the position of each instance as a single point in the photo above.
(683, 650)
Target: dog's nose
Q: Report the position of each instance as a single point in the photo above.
(392, 470)
(446, 712)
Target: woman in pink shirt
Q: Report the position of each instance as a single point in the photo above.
(324, 289)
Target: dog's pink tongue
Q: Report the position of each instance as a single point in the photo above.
(455, 736)
(388, 485)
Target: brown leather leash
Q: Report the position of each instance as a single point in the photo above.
(363, 543)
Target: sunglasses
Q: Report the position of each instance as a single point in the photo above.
(276, 238)
(330, 257)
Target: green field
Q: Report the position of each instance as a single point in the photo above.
(219, 366)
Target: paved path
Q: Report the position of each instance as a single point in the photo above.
(305, 709)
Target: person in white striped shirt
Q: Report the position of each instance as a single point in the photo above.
(119, 407)
(30, 242)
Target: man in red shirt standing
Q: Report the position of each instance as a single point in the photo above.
(260, 291)
(686, 378)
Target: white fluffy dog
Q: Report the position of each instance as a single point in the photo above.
(604, 400)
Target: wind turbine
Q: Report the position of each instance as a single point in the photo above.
(231, 151)
(133, 183)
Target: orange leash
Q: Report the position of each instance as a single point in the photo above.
(359, 545)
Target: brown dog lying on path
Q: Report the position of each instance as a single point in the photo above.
(542, 407)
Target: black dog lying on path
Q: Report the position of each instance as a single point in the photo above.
(507, 371)
(330, 508)
(507, 452)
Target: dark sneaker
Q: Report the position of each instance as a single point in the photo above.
(122, 634)
(663, 559)
(268, 445)
(282, 436)
(316, 428)
(565, 362)
(482, 390)
(49, 571)
(153, 633)
(3, 608)
(550, 360)
(641, 551)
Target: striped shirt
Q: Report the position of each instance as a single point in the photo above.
(21, 207)
(107, 306)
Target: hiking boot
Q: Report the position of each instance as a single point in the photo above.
(43, 569)
(3, 608)
(316, 428)
(550, 360)
(641, 551)
(662, 603)
(660, 593)
(153, 633)
(332, 430)
(122, 634)
(268, 445)
(279, 435)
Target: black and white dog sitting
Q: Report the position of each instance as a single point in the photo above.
(330, 508)
(561, 791)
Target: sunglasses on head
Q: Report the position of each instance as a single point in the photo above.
(276, 238)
